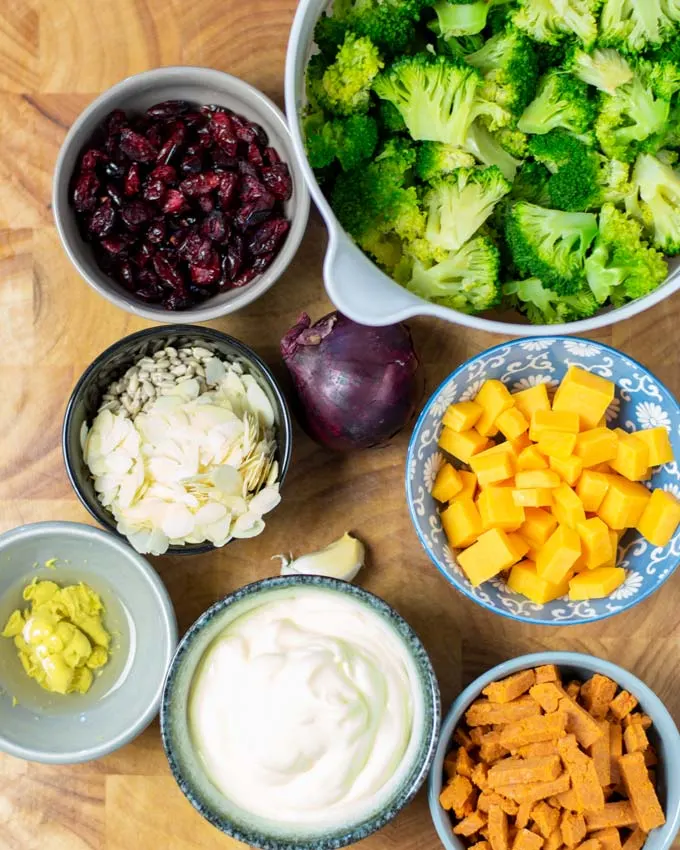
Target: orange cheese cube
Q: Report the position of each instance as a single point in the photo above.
(533, 497)
(505, 447)
(490, 555)
(533, 399)
(596, 584)
(632, 457)
(537, 478)
(520, 443)
(549, 420)
(512, 423)
(569, 470)
(447, 483)
(518, 543)
(660, 518)
(462, 446)
(559, 554)
(591, 489)
(462, 416)
(491, 468)
(537, 527)
(494, 399)
(498, 509)
(525, 579)
(558, 444)
(596, 446)
(642, 794)
(624, 503)
(567, 507)
(469, 488)
(587, 394)
(531, 459)
(595, 542)
(462, 523)
(614, 541)
(658, 444)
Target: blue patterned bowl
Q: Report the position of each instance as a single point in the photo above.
(641, 401)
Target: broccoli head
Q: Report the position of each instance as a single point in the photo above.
(345, 87)
(389, 119)
(458, 205)
(635, 25)
(658, 186)
(487, 148)
(604, 68)
(547, 21)
(390, 24)
(531, 183)
(435, 159)
(329, 34)
(622, 265)
(550, 244)
(562, 101)
(462, 18)
(350, 140)
(467, 280)
(461, 46)
(543, 306)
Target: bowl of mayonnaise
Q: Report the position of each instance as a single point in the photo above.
(300, 712)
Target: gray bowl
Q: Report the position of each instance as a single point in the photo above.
(124, 699)
(136, 94)
(187, 767)
(112, 364)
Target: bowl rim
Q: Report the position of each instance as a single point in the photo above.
(167, 620)
(652, 704)
(431, 736)
(268, 112)
(160, 331)
(460, 587)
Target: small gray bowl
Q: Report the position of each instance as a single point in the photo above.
(124, 698)
(187, 767)
(112, 364)
(136, 94)
(664, 735)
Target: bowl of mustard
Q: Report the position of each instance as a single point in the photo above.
(87, 632)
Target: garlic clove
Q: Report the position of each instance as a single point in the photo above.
(341, 559)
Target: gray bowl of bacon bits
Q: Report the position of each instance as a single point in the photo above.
(177, 191)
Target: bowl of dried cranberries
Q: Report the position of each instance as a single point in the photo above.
(177, 191)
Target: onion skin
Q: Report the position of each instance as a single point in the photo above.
(357, 386)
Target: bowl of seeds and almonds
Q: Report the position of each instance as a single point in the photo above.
(178, 438)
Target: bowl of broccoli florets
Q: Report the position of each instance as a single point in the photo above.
(492, 162)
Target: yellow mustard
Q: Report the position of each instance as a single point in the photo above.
(61, 638)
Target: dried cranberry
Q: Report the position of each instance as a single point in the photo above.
(206, 255)
(114, 170)
(252, 214)
(268, 236)
(91, 158)
(200, 184)
(245, 277)
(215, 227)
(223, 131)
(206, 203)
(154, 135)
(103, 219)
(153, 190)
(173, 143)
(272, 156)
(135, 214)
(277, 179)
(168, 109)
(149, 286)
(174, 202)
(144, 255)
(222, 161)
(167, 273)
(114, 122)
(263, 262)
(156, 232)
(254, 155)
(227, 190)
(136, 146)
(194, 119)
(85, 191)
(252, 189)
(126, 276)
(233, 260)
(114, 244)
(204, 276)
(114, 193)
(191, 164)
(133, 180)
(248, 131)
(177, 301)
(205, 139)
(190, 245)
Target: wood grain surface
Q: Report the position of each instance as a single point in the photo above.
(55, 56)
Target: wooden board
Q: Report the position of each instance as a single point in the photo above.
(55, 56)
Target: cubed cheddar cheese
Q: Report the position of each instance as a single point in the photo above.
(537, 527)
(614, 541)
(585, 393)
(567, 507)
(531, 458)
(557, 444)
(447, 483)
(591, 489)
(518, 543)
(596, 446)
(532, 399)
(549, 420)
(469, 488)
(533, 497)
(462, 416)
(491, 468)
(512, 423)
(569, 469)
(491, 554)
(494, 398)
(525, 579)
(462, 446)
(462, 523)
(596, 584)
(632, 456)
(505, 447)
(558, 554)
(498, 509)
(537, 478)
(595, 542)
(658, 444)
(660, 518)
(520, 443)
(624, 503)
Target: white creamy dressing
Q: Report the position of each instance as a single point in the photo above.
(306, 709)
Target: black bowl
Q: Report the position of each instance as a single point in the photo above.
(112, 364)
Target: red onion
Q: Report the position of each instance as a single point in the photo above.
(357, 386)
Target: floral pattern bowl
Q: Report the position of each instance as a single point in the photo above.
(641, 401)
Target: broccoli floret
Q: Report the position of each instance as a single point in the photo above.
(547, 21)
(668, 157)
(316, 68)
(604, 68)
(543, 306)
(462, 18)
(389, 119)
(390, 24)
(488, 150)
(508, 63)
(462, 46)
(437, 97)
(513, 141)
(557, 149)
(634, 25)
(562, 101)
(658, 186)
(458, 205)
(663, 75)
(435, 159)
(467, 280)
(345, 86)
(350, 140)
(622, 265)
(329, 34)
(551, 56)
(550, 244)
(531, 184)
